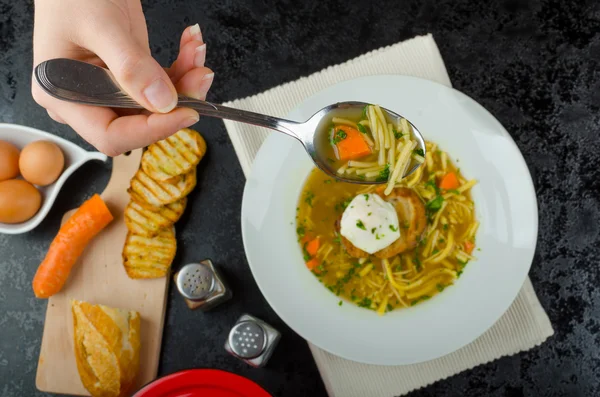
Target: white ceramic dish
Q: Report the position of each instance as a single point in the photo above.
(75, 157)
(505, 204)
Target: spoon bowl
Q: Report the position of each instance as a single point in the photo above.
(88, 84)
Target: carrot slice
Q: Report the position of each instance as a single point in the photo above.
(67, 246)
(449, 181)
(350, 143)
(469, 247)
(313, 246)
(312, 264)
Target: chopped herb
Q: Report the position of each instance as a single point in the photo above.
(364, 112)
(435, 204)
(330, 160)
(423, 298)
(389, 308)
(301, 231)
(478, 249)
(339, 136)
(306, 254)
(366, 197)
(327, 181)
(397, 134)
(362, 128)
(417, 263)
(441, 241)
(365, 302)
(454, 191)
(337, 240)
(435, 251)
(445, 227)
(340, 303)
(384, 174)
(360, 225)
(405, 225)
(361, 177)
(308, 198)
(458, 273)
(440, 287)
(373, 230)
(369, 214)
(419, 151)
(435, 187)
(393, 229)
(462, 264)
(377, 237)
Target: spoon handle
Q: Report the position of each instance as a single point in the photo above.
(88, 84)
(209, 109)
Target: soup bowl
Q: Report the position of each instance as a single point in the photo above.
(505, 205)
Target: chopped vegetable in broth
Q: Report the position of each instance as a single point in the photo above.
(384, 281)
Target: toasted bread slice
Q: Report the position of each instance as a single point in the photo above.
(145, 222)
(149, 257)
(158, 193)
(174, 156)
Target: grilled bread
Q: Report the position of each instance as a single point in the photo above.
(174, 156)
(158, 193)
(149, 257)
(145, 222)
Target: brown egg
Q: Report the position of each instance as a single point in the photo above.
(19, 201)
(41, 162)
(9, 161)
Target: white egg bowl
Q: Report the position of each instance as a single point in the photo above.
(75, 157)
(505, 204)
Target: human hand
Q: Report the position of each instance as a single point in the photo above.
(113, 34)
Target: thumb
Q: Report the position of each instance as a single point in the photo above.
(136, 71)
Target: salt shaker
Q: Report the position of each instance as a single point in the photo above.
(202, 285)
(252, 340)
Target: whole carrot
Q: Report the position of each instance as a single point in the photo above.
(67, 246)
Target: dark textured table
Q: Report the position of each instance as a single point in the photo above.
(534, 64)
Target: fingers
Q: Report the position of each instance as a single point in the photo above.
(196, 83)
(55, 117)
(111, 134)
(191, 33)
(192, 53)
(134, 68)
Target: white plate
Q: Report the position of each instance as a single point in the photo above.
(75, 157)
(505, 204)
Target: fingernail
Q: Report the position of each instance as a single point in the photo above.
(200, 56)
(188, 122)
(160, 96)
(195, 32)
(208, 76)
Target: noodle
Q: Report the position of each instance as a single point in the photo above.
(409, 277)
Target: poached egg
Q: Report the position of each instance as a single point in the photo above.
(370, 223)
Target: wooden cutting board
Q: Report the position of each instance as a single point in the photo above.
(99, 278)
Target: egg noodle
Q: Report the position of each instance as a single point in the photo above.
(393, 149)
(443, 249)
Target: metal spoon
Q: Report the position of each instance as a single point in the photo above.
(88, 84)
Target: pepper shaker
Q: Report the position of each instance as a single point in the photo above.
(252, 340)
(202, 285)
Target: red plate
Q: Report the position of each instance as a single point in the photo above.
(202, 383)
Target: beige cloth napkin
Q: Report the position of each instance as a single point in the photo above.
(525, 324)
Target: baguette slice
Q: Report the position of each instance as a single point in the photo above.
(145, 222)
(174, 156)
(107, 348)
(158, 193)
(149, 257)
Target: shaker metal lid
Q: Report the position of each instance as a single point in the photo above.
(247, 339)
(195, 281)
